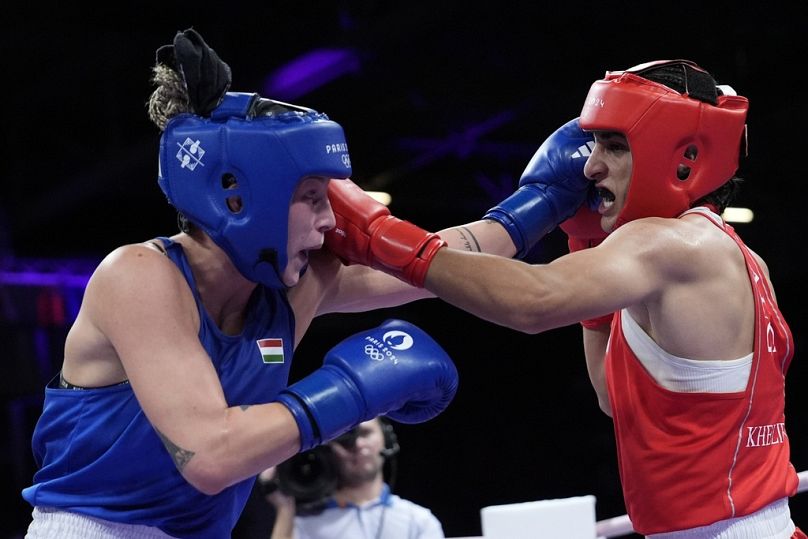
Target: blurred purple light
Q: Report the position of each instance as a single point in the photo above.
(310, 71)
(33, 278)
(46, 272)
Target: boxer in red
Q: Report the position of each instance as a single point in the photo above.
(685, 345)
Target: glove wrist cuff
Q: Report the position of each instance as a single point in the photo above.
(309, 433)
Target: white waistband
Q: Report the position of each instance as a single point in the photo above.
(50, 523)
(771, 522)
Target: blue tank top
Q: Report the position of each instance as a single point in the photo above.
(99, 455)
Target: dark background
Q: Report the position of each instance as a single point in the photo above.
(443, 107)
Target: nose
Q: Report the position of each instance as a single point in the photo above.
(326, 219)
(595, 167)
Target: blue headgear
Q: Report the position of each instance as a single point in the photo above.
(233, 174)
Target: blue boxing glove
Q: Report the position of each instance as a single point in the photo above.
(395, 370)
(552, 188)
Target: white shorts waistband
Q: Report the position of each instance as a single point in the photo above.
(771, 522)
(50, 523)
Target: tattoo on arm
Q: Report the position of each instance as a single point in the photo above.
(468, 238)
(180, 456)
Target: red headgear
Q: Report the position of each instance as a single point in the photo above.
(682, 148)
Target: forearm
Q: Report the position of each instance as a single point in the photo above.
(483, 236)
(242, 443)
(506, 292)
(360, 288)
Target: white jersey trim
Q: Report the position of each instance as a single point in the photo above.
(681, 374)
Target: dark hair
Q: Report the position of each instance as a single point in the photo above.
(723, 196)
(685, 79)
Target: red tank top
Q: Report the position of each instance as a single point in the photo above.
(692, 459)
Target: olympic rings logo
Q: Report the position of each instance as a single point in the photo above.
(374, 353)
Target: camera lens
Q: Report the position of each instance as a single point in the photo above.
(348, 440)
(309, 476)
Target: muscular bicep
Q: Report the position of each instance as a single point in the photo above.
(624, 270)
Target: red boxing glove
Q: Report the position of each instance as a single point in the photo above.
(583, 231)
(366, 233)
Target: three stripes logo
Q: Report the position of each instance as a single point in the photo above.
(584, 150)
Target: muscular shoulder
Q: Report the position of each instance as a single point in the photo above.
(135, 266)
(135, 278)
(681, 249)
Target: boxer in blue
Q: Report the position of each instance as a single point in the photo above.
(173, 392)
(172, 396)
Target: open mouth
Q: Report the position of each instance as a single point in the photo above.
(606, 197)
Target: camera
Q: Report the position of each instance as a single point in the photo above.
(311, 477)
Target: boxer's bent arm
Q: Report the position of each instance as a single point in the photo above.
(595, 341)
(155, 336)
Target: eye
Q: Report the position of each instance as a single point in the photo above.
(617, 146)
(314, 197)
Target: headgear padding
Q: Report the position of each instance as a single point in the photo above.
(254, 151)
(682, 148)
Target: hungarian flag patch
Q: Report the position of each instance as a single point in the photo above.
(271, 350)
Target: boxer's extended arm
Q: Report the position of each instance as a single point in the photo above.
(624, 270)
(329, 286)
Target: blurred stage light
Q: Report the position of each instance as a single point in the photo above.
(309, 71)
(380, 196)
(738, 215)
